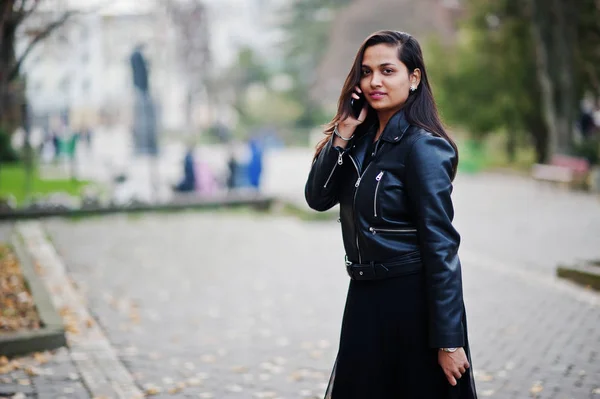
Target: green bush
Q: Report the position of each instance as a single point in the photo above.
(7, 152)
(588, 149)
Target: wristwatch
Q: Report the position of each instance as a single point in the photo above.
(449, 350)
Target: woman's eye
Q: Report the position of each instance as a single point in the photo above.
(388, 71)
(365, 72)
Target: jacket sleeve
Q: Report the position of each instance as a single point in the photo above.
(429, 186)
(321, 188)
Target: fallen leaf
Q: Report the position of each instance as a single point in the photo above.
(536, 388)
(41, 358)
(31, 371)
(194, 382)
(152, 390)
(175, 390)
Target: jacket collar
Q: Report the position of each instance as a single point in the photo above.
(395, 128)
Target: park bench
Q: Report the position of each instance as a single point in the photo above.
(563, 169)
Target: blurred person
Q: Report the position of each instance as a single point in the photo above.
(255, 163)
(390, 166)
(586, 118)
(596, 116)
(231, 171)
(188, 182)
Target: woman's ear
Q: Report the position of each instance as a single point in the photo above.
(415, 78)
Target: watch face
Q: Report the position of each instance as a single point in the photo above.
(450, 350)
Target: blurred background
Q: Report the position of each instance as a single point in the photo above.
(157, 105)
(516, 83)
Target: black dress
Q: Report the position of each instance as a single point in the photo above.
(384, 351)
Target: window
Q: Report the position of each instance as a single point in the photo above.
(85, 86)
(65, 84)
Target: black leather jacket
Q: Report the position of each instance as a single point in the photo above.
(400, 203)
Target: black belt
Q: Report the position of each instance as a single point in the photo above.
(403, 265)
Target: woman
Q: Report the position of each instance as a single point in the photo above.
(404, 333)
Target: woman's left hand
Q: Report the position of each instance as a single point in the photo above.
(454, 364)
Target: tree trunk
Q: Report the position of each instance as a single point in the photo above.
(564, 35)
(553, 35)
(12, 94)
(511, 145)
(7, 60)
(539, 134)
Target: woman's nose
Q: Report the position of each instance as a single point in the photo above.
(375, 80)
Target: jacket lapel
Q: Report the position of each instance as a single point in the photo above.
(359, 149)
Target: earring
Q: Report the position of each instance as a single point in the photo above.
(412, 89)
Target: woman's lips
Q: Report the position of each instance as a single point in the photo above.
(376, 95)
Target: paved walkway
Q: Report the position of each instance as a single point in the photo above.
(249, 306)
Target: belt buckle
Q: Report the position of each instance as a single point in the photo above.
(346, 261)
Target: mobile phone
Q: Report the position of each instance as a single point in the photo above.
(357, 105)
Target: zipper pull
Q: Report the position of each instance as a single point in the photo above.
(372, 230)
(379, 176)
(340, 161)
(357, 182)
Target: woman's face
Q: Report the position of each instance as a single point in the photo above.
(385, 80)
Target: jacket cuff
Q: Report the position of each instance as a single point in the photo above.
(331, 152)
(447, 340)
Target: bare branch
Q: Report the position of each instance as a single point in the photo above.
(23, 13)
(44, 33)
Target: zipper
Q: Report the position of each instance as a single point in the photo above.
(375, 231)
(378, 178)
(340, 162)
(354, 201)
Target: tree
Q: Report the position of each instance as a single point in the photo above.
(554, 27)
(14, 15)
(522, 70)
(307, 29)
(191, 22)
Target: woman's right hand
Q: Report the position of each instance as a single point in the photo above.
(350, 123)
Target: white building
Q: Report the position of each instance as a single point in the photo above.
(84, 66)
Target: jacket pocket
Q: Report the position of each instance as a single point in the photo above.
(377, 230)
(378, 179)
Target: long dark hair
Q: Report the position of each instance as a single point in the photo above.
(419, 109)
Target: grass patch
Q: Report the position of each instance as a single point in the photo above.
(13, 179)
(289, 209)
(490, 154)
(496, 156)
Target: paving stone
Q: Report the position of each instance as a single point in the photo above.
(215, 299)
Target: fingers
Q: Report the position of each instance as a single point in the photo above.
(355, 96)
(451, 379)
(457, 374)
(462, 370)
